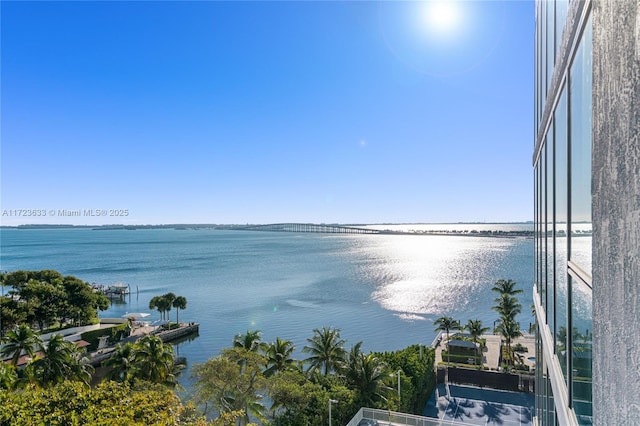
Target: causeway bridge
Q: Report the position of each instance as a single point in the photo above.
(308, 227)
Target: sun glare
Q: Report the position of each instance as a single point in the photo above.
(441, 16)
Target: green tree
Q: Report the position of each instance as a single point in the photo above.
(167, 303)
(109, 403)
(82, 302)
(418, 376)
(13, 313)
(47, 302)
(278, 357)
(509, 330)
(300, 401)
(251, 340)
(230, 382)
(21, 339)
(507, 307)
(506, 287)
(367, 374)
(180, 302)
(60, 361)
(48, 298)
(326, 349)
(8, 376)
(155, 303)
(446, 324)
(162, 304)
(153, 361)
(121, 363)
(475, 329)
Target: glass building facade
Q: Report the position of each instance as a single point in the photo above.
(563, 224)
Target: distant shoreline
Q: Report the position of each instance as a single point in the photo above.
(180, 227)
(230, 226)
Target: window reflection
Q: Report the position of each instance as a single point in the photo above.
(561, 205)
(581, 351)
(561, 15)
(580, 119)
(543, 229)
(551, 294)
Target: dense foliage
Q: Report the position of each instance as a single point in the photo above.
(147, 359)
(110, 403)
(47, 298)
(299, 390)
(52, 388)
(417, 375)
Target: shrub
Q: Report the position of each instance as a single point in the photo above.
(519, 348)
(115, 334)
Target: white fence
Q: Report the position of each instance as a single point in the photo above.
(392, 418)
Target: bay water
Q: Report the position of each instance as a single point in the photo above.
(385, 290)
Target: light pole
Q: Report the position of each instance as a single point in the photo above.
(331, 401)
(399, 390)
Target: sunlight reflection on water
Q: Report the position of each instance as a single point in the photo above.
(432, 274)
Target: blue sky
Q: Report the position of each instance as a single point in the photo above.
(260, 112)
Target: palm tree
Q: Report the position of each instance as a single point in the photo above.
(179, 302)
(367, 374)
(81, 368)
(155, 303)
(278, 356)
(251, 341)
(121, 362)
(506, 287)
(326, 349)
(509, 330)
(447, 324)
(21, 339)
(351, 358)
(533, 325)
(475, 329)
(507, 307)
(154, 361)
(167, 302)
(58, 363)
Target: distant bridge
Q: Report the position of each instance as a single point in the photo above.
(308, 227)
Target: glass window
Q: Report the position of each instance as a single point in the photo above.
(543, 229)
(580, 227)
(562, 6)
(551, 412)
(580, 118)
(536, 247)
(560, 184)
(543, 62)
(581, 350)
(550, 261)
(550, 43)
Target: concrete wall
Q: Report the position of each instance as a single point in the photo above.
(616, 211)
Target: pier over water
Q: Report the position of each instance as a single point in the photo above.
(308, 227)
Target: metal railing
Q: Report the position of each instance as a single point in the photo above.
(392, 418)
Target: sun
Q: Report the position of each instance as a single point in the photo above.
(441, 16)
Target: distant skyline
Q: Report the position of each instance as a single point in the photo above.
(267, 112)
